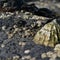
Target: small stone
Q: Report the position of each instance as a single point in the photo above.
(25, 16)
(27, 13)
(10, 36)
(33, 58)
(24, 28)
(22, 11)
(16, 29)
(22, 43)
(15, 57)
(32, 25)
(17, 12)
(27, 51)
(15, 26)
(3, 27)
(57, 48)
(43, 55)
(27, 32)
(26, 57)
(39, 23)
(2, 45)
(49, 54)
(54, 56)
(52, 59)
(58, 54)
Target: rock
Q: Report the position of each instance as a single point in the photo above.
(49, 54)
(57, 48)
(58, 54)
(26, 51)
(44, 55)
(26, 57)
(2, 45)
(48, 35)
(15, 57)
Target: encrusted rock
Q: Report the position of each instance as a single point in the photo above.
(49, 35)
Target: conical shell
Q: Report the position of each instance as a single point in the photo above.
(49, 35)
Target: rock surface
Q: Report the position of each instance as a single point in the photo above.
(49, 35)
(17, 31)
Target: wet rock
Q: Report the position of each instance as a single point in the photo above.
(48, 35)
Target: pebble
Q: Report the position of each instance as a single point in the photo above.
(22, 11)
(58, 54)
(17, 12)
(27, 51)
(52, 59)
(49, 54)
(15, 57)
(54, 56)
(3, 27)
(10, 36)
(25, 16)
(35, 17)
(26, 57)
(22, 44)
(43, 55)
(39, 23)
(24, 28)
(57, 48)
(2, 45)
(15, 26)
(33, 58)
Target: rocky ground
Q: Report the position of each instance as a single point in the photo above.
(24, 36)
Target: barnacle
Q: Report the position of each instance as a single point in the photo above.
(49, 35)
